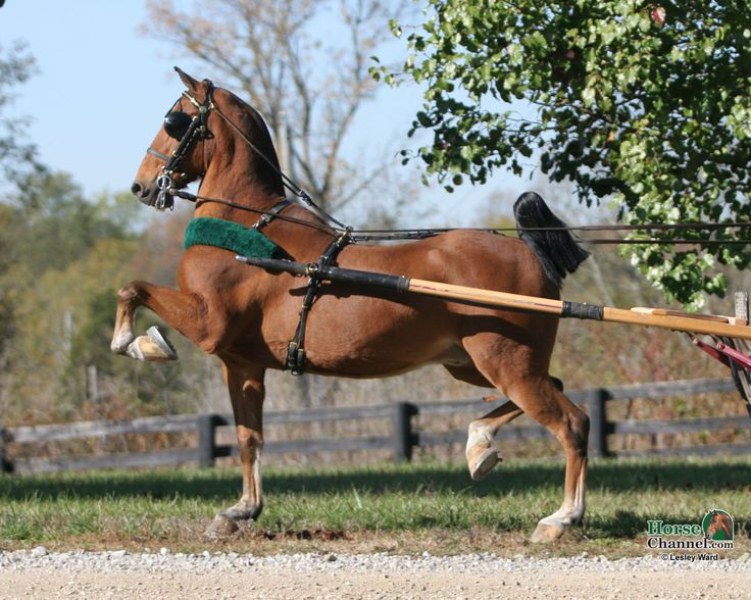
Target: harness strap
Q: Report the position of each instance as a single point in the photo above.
(271, 214)
(296, 349)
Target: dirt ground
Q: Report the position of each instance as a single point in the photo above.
(263, 582)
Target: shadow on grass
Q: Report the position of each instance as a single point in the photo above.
(540, 481)
(509, 478)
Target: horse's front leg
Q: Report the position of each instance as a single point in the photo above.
(246, 389)
(185, 312)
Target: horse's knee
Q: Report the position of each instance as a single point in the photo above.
(578, 430)
(128, 293)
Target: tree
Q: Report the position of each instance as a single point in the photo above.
(295, 59)
(17, 159)
(16, 156)
(16, 66)
(56, 225)
(61, 257)
(646, 105)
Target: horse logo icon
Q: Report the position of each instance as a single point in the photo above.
(717, 525)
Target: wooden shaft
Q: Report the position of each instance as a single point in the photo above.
(687, 323)
(485, 297)
(645, 317)
(675, 321)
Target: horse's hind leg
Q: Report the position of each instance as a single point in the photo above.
(481, 451)
(543, 401)
(532, 391)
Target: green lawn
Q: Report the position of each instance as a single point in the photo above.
(394, 508)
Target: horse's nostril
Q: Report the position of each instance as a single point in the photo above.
(136, 189)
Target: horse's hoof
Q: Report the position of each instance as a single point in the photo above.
(484, 464)
(547, 532)
(151, 347)
(242, 512)
(221, 527)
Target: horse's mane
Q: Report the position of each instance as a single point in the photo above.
(255, 127)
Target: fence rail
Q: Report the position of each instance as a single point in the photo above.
(404, 436)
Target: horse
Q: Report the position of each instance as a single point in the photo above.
(247, 316)
(720, 525)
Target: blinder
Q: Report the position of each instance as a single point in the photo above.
(184, 128)
(176, 124)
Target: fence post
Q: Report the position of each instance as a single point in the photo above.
(404, 437)
(206, 425)
(5, 437)
(598, 441)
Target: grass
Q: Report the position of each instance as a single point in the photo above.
(406, 508)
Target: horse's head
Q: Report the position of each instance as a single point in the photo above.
(206, 122)
(177, 155)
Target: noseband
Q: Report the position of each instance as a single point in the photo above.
(197, 129)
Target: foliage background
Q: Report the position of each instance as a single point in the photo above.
(64, 255)
(644, 105)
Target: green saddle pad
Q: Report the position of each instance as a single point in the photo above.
(207, 231)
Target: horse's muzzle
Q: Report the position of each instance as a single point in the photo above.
(153, 195)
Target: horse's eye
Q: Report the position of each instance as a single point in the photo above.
(176, 124)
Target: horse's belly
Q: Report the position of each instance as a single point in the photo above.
(384, 357)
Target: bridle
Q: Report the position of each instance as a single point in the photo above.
(186, 129)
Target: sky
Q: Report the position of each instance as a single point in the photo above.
(102, 88)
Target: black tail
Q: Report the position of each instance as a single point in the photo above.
(548, 237)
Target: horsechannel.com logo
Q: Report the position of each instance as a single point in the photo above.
(716, 531)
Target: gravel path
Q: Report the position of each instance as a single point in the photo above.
(38, 573)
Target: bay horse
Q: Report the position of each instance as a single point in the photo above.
(719, 521)
(247, 316)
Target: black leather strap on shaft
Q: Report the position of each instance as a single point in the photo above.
(316, 273)
(394, 283)
(581, 310)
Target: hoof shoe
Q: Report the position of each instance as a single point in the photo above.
(484, 464)
(151, 347)
(220, 528)
(547, 532)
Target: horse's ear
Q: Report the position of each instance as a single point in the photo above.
(190, 83)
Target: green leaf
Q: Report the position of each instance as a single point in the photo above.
(659, 113)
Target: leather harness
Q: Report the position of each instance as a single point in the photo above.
(295, 362)
(296, 349)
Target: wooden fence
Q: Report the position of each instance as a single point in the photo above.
(406, 431)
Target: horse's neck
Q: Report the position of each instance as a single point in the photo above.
(295, 228)
(240, 187)
(236, 194)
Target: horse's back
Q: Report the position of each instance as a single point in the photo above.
(472, 258)
(366, 332)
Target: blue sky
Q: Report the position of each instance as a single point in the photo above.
(102, 89)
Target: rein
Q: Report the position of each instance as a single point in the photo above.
(402, 235)
(198, 127)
